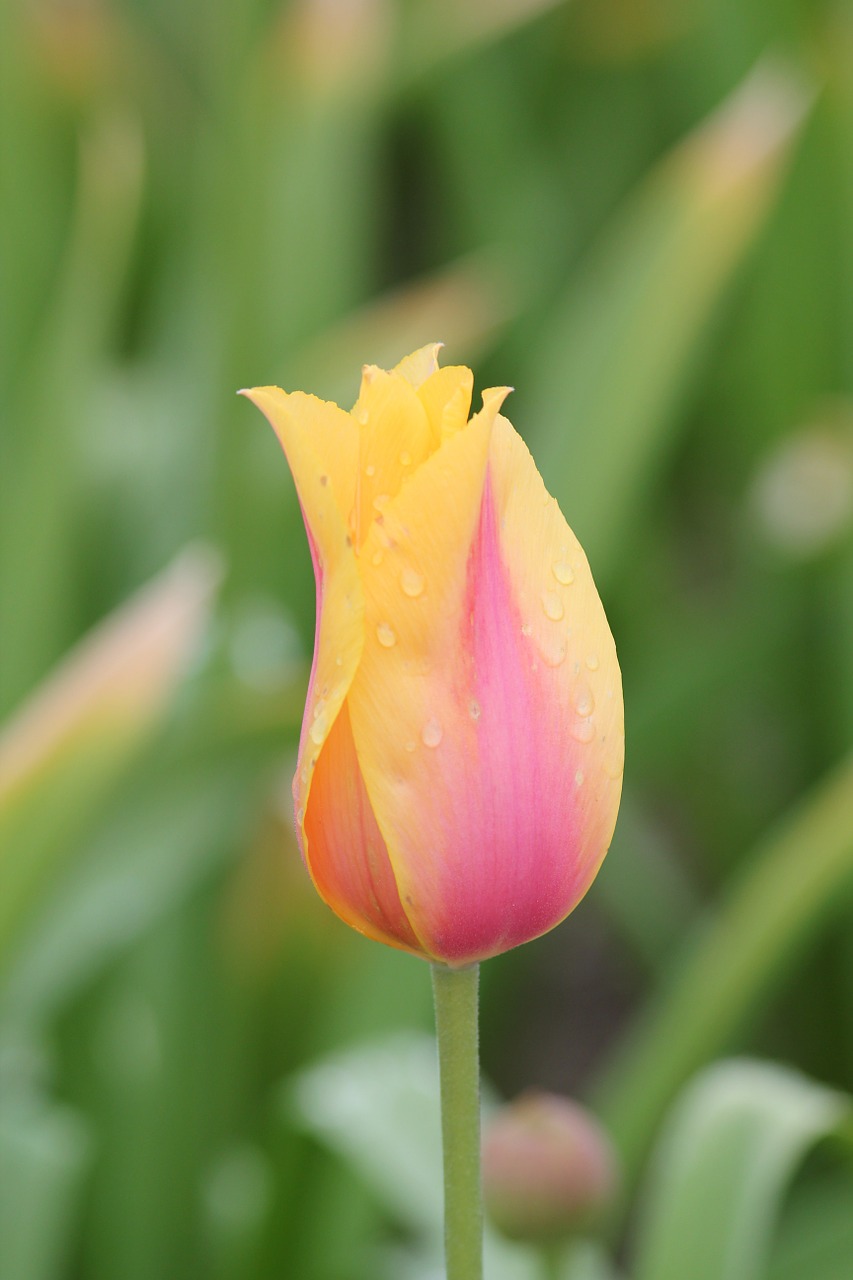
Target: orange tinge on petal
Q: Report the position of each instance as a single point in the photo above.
(461, 755)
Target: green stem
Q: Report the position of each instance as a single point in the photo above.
(552, 1262)
(455, 992)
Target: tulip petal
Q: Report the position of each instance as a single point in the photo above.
(446, 396)
(344, 849)
(395, 437)
(321, 445)
(414, 574)
(491, 747)
(417, 367)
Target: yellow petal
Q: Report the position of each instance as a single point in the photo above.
(417, 367)
(395, 437)
(318, 438)
(413, 568)
(446, 396)
(311, 431)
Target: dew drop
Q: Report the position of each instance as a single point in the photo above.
(339, 662)
(585, 703)
(563, 572)
(432, 733)
(583, 731)
(386, 635)
(319, 728)
(370, 469)
(410, 746)
(300, 816)
(474, 709)
(412, 583)
(526, 629)
(376, 558)
(579, 778)
(552, 605)
(556, 655)
(405, 459)
(592, 662)
(381, 501)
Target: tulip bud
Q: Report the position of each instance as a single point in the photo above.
(549, 1169)
(461, 755)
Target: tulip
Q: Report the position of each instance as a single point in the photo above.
(461, 755)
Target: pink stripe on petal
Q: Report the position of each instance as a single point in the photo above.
(514, 858)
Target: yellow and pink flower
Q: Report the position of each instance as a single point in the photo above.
(461, 755)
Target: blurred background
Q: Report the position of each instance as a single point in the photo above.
(640, 214)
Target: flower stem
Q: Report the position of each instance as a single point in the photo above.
(455, 992)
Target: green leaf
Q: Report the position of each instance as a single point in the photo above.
(729, 1149)
(800, 874)
(44, 1156)
(377, 1106)
(620, 351)
(70, 744)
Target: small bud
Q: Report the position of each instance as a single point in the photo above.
(549, 1169)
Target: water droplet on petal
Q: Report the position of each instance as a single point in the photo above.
(300, 816)
(552, 605)
(579, 778)
(583, 730)
(410, 746)
(563, 572)
(339, 662)
(584, 702)
(412, 583)
(526, 629)
(386, 635)
(376, 558)
(432, 733)
(405, 459)
(370, 469)
(474, 709)
(555, 654)
(592, 662)
(319, 728)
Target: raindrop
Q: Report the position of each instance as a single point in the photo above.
(583, 731)
(563, 572)
(579, 778)
(432, 733)
(474, 709)
(526, 629)
(555, 656)
(376, 558)
(339, 662)
(386, 635)
(410, 746)
(300, 816)
(370, 469)
(585, 704)
(552, 605)
(319, 728)
(405, 459)
(592, 662)
(412, 583)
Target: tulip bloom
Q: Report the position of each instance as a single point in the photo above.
(461, 755)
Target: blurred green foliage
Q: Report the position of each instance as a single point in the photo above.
(639, 213)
